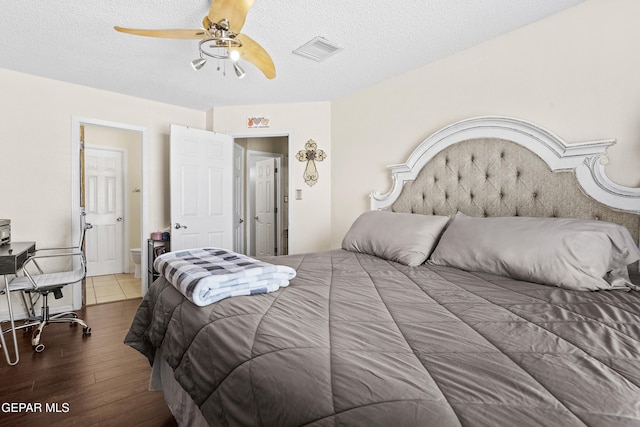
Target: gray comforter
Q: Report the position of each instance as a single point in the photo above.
(356, 340)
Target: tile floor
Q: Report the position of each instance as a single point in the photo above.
(114, 287)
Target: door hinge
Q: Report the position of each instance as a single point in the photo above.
(275, 170)
(275, 210)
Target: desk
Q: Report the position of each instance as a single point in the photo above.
(13, 255)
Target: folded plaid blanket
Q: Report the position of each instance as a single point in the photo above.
(207, 275)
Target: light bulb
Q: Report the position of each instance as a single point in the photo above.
(234, 55)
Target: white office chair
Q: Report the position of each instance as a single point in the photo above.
(35, 284)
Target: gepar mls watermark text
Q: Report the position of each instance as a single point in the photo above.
(33, 407)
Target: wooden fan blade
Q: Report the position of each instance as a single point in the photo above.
(254, 53)
(166, 34)
(234, 11)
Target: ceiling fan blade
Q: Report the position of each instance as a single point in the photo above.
(167, 34)
(254, 53)
(234, 11)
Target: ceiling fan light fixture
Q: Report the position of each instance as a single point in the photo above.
(239, 70)
(221, 49)
(198, 63)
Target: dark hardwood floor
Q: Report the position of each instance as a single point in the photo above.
(91, 381)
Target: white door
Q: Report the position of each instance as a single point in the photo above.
(104, 203)
(238, 197)
(278, 206)
(265, 208)
(201, 169)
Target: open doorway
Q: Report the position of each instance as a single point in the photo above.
(266, 200)
(113, 180)
(109, 183)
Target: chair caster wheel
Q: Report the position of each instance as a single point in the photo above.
(38, 348)
(86, 331)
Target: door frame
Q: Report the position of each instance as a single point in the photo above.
(76, 122)
(238, 197)
(268, 133)
(125, 199)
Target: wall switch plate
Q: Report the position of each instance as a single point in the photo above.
(298, 194)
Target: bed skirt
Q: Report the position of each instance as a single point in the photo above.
(183, 408)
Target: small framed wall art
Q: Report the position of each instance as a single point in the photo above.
(257, 122)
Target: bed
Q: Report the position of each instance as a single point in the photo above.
(373, 335)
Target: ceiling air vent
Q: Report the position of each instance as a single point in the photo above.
(318, 49)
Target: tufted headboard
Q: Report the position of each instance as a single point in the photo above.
(497, 166)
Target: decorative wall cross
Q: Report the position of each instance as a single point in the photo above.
(311, 155)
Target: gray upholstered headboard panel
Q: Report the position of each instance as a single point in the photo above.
(501, 166)
(494, 177)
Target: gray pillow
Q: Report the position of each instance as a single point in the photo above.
(568, 253)
(402, 237)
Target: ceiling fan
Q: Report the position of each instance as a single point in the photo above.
(220, 37)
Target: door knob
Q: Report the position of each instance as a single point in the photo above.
(241, 220)
(119, 219)
(178, 226)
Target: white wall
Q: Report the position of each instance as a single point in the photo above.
(576, 73)
(310, 223)
(35, 152)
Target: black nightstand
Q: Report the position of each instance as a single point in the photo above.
(155, 248)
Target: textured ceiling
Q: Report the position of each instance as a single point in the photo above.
(74, 41)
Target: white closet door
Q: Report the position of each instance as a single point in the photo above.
(265, 208)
